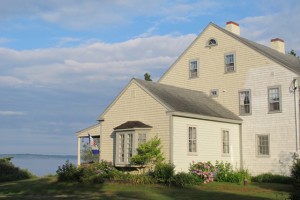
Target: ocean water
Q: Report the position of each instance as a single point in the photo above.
(40, 165)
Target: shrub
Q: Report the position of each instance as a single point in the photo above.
(203, 170)
(69, 172)
(295, 173)
(140, 179)
(225, 173)
(272, 178)
(98, 172)
(9, 172)
(243, 175)
(295, 170)
(148, 153)
(183, 179)
(163, 172)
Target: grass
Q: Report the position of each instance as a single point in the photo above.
(49, 188)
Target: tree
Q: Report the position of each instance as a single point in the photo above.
(147, 77)
(293, 53)
(148, 153)
(87, 155)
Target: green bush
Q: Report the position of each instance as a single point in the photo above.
(9, 172)
(225, 173)
(163, 172)
(98, 172)
(140, 179)
(69, 172)
(183, 179)
(148, 153)
(295, 170)
(272, 178)
(295, 174)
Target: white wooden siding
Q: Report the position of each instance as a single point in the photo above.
(209, 142)
(138, 107)
(254, 72)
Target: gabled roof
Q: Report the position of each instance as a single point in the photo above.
(288, 61)
(187, 101)
(132, 124)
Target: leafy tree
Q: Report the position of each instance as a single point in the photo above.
(9, 172)
(87, 155)
(147, 77)
(148, 153)
(293, 53)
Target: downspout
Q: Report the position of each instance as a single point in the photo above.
(293, 89)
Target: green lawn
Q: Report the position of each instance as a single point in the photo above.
(49, 188)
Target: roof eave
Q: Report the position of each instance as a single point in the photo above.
(203, 117)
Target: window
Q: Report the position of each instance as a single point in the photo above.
(245, 102)
(263, 145)
(122, 148)
(214, 93)
(192, 140)
(142, 138)
(129, 146)
(125, 150)
(193, 69)
(212, 42)
(225, 142)
(126, 145)
(274, 98)
(229, 63)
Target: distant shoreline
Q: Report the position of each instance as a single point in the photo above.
(31, 154)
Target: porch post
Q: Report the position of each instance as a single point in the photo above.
(78, 151)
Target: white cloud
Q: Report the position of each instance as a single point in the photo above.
(86, 64)
(282, 24)
(11, 113)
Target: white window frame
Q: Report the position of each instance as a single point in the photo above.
(260, 148)
(130, 145)
(193, 72)
(245, 104)
(230, 63)
(273, 101)
(192, 141)
(225, 142)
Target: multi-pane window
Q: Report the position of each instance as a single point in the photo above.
(122, 148)
(245, 102)
(142, 138)
(193, 69)
(192, 139)
(126, 144)
(274, 97)
(225, 141)
(229, 63)
(129, 146)
(263, 145)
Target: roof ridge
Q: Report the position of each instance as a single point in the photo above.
(290, 62)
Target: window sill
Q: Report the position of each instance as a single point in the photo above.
(274, 112)
(263, 156)
(225, 155)
(192, 154)
(246, 114)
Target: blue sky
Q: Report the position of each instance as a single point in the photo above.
(63, 62)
